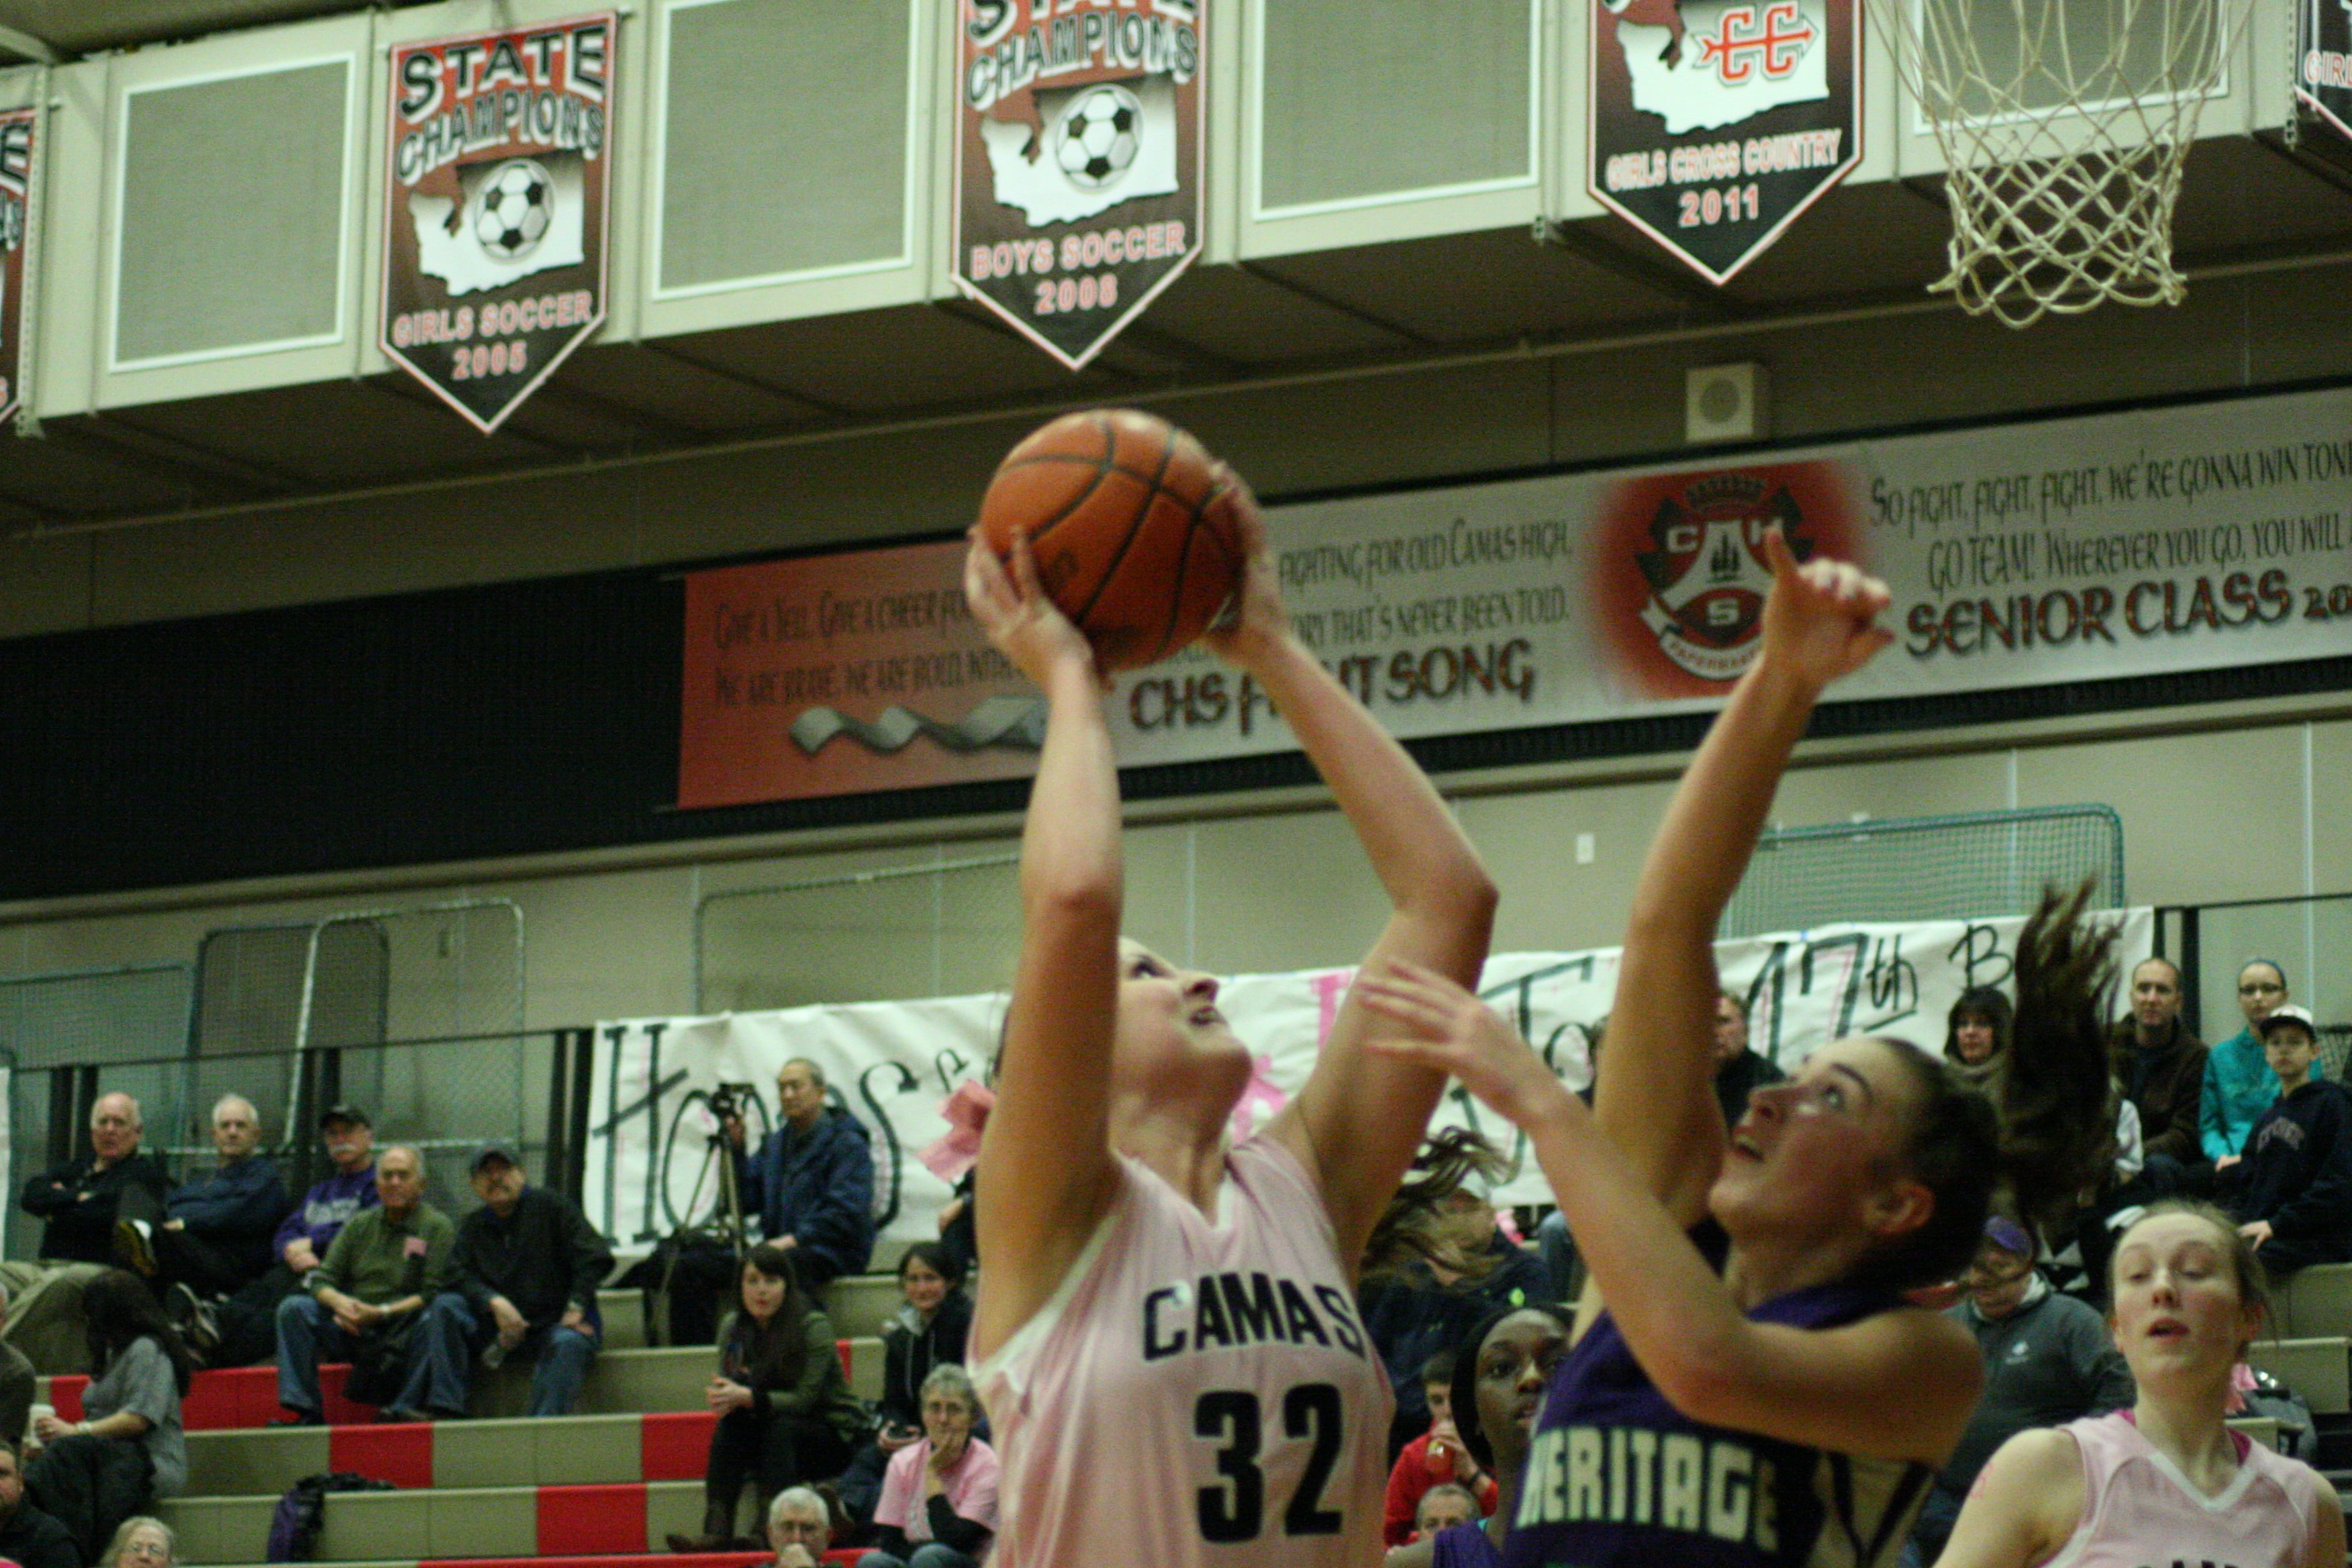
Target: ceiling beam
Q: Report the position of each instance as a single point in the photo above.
(178, 449)
(1639, 269)
(1333, 303)
(743, 378)
(18, 42)
(190, 482)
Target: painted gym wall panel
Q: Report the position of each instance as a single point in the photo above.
(2206, 816)
(1360, 102)
(1286, 891)
(784, 144)
(1529, 843)
(231, 213)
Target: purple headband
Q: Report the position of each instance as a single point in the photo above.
(2009, 1235)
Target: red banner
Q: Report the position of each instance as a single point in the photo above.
(845, 674)
(499, 152)
(18, 131)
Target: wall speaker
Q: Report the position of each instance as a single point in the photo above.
(1727, 403)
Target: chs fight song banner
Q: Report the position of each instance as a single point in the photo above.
(2323, 76)
(494, 223)
(18, 131)
(1715, 122)
(894, 1065)
(2139, 544)
(1077, 162)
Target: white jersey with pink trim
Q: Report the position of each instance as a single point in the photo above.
(1195, 1393)
(2139, 1509)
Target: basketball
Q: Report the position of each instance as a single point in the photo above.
(1133, 524)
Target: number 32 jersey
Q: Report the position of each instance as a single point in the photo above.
(1195, 1394)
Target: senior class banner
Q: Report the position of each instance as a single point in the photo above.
(2071, 550)
(894, 1063)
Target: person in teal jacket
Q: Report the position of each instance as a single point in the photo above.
(2239, 1083)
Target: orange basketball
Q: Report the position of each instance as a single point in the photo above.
(1133, 525)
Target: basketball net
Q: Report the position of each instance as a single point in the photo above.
(2063, 154)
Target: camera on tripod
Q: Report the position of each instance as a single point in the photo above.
(729, 1100)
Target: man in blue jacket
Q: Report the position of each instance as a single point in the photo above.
(212, 1237)
(812, 1181)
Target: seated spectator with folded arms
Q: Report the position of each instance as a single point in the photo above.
(384, 1298)
(81, 1199)
(2291, 1192)
(212, 1235)
(529, 1264)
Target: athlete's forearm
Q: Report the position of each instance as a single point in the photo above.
(1070, 839)
(1415, 846)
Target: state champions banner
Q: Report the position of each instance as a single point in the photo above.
(2323, 76)
(500, 170)
(2112, 545)
(19, 131)
(1077, 167)
(1713, 124)
(894, 1063)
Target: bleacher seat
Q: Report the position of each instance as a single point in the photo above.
(2318, 1369)
(2314, 1302)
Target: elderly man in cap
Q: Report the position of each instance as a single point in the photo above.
(529, 1264)
(244, 1329)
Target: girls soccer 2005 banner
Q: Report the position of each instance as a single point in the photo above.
(18, 131)
(894, 1065)
(1077, 162)
(494, 225)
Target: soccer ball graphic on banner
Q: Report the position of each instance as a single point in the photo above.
(1098, 135)
(513, 209)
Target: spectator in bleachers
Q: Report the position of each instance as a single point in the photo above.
(80, 1199)
(1444, 1506)
(928, 1331)
(2047, 1360)
(143, 1542)
(812, 1180)
(17, 1383)
(2292, 1193)
(2161, 1066)
(28, 1536)
(211, 1237)
(384, 1298)
(799, 1527)
(1739, 1071)
(939, 1502)
(786, 1412)
(1436, 1458)
(1975, 1031)
(2239, 1084)
(129, 1449)
(529, 1265)
(243, 1329)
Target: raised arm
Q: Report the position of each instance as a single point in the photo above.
(1046, 1149)
(1655, 1094)
(1362, 1115)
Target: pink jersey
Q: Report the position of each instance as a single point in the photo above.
(1195, 1394)
(2138, 1509)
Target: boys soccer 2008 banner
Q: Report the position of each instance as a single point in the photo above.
(18, 132)
(893, 1065)
(1077, 162)
(2113, 546)
(499, 169)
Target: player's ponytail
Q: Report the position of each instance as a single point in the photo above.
(2040, 1131)
(1416, 1225)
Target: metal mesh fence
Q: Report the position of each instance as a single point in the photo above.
(934, 928)
(1927, 867)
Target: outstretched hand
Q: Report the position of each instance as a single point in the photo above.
(1447, 1027)
(1820, 620)
(1015, 612)
(1257, 620)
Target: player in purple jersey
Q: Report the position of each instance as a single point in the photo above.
(1170, 1318)
(1498, 1381)
(1756, 1392)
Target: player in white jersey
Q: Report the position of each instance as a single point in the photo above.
(1166, 1331)
(2165, 1481)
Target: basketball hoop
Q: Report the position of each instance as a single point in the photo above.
(2064, 125)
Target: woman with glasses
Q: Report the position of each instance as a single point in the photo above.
(2239, 1083)
(2047, 1360)
(141, 1542)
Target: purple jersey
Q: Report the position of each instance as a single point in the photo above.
(1465, 1546)
(1619, 1476)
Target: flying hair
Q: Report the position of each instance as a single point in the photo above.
(1413, 1224)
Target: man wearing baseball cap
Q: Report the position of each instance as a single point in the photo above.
(2292, 1193)
(244, 1329)
(529, 1264)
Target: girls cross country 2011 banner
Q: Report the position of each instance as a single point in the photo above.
(893, 1065)
(2148, 543)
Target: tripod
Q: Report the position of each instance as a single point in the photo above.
(722, 1230)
